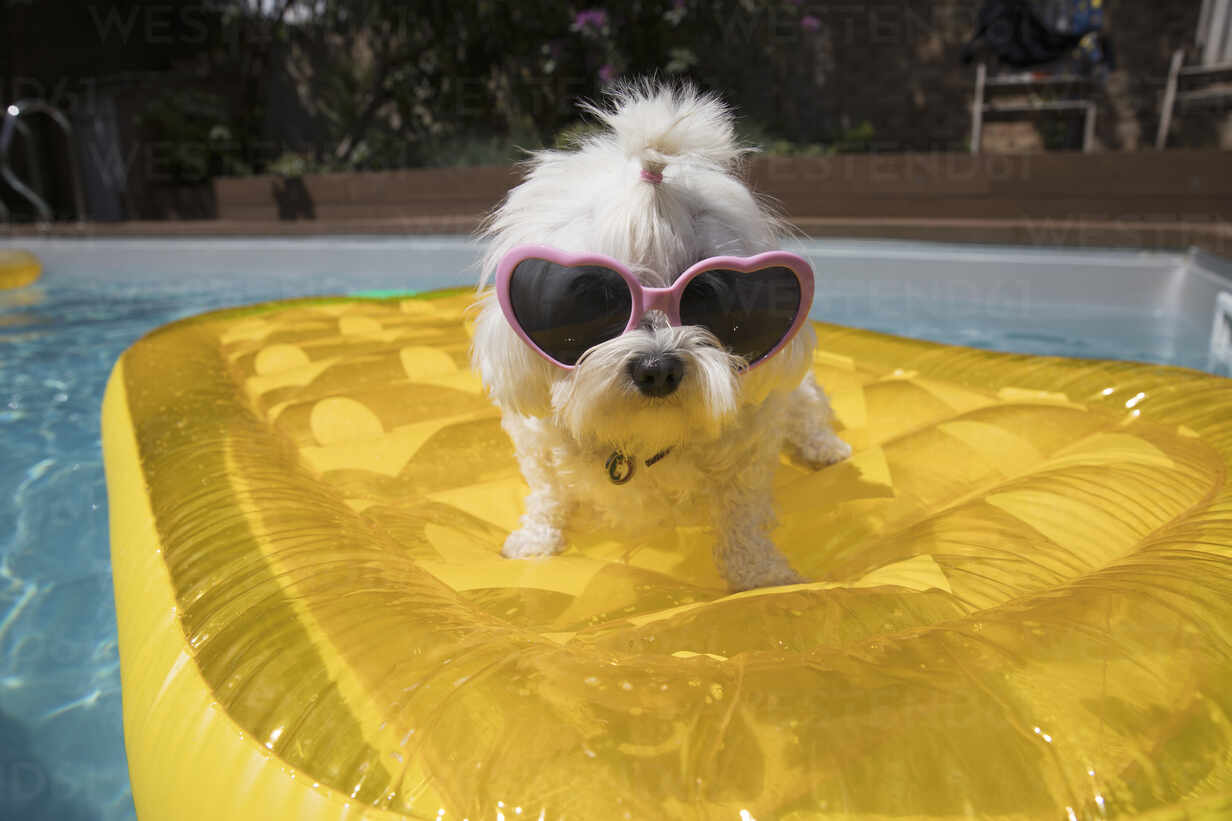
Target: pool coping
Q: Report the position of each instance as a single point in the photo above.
(1213, 237)
(1174, 293)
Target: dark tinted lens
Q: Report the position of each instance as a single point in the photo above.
(566, 310)
(749, 313)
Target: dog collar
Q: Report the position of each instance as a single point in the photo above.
(620, 467)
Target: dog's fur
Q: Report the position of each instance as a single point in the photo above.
(724, 428)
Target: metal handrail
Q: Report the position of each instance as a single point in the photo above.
(34, 165)
(11, 122)
(34, 159)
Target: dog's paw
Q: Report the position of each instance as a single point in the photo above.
(534, 542)
(821, 449)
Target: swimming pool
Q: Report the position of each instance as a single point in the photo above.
(61, 750)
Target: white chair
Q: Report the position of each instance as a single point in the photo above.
(1024, 82)
(1214, 42)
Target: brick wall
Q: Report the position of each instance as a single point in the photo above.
(1145, 187)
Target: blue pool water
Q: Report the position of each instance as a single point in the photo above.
(61, 744)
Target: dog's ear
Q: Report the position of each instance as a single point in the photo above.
(515, 377)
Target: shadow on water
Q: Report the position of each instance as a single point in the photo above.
(27, 792)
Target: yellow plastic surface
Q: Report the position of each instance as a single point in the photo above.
(1024, 605)
(18, 268)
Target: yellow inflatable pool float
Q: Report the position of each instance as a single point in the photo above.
(1023, 607)
(18, 268)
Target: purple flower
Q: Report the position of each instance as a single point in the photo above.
(607, 73)
(810, 23)
(590, 18)
(678, 5)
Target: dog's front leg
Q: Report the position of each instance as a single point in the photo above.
(743, 551)
(810, 436)
(542, 529)
(547, 505)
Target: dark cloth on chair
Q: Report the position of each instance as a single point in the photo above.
(1014, 32)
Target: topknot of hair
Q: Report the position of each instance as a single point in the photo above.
(662, 124)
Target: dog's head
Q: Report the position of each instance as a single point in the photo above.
(658, 191)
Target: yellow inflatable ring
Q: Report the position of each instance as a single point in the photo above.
(1025, 605)
(18, 268)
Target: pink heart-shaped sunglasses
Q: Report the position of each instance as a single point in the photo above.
(563, 304)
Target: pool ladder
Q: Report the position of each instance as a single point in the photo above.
(13, 125)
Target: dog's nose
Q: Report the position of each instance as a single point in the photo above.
(656, 374)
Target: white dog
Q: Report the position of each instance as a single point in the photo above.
(663, 423)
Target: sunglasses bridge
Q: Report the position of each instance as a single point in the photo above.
(660, 299)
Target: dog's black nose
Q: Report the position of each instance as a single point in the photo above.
(656, 374)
